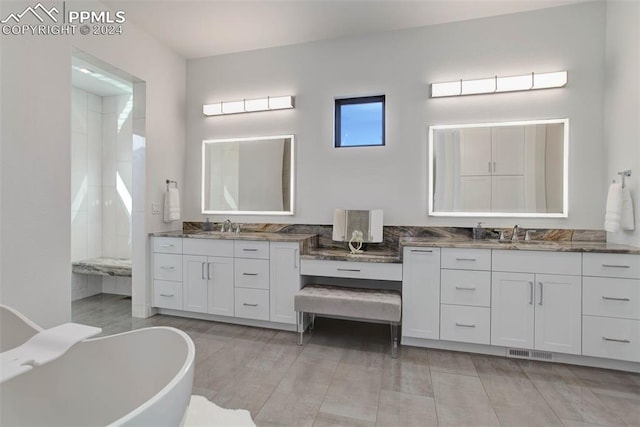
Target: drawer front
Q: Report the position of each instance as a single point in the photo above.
(167, 245)
(465, 324)
(611, 338)
(537, 262)
(466, 287)
(252, 303)
(167, 294)
(208, 247)
(251, 273)
(251, 249)
(611, 265)
(466, 259)
(611, 297)
(355, 270)
(167, 267)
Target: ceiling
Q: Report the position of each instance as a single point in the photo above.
(196, 29)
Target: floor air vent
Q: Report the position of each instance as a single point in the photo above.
(529, 354)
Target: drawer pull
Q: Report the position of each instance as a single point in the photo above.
(465, 325)
(466, 259)
(170, 245)
(349, 269)
(249, 305)
(249, 274)
(167, 295)
(167, 267)
(203, 276)
(615, 266)
(462, 288)
(615, 299)
(616, 340)
(422, 250)
(249, 250)
(541, 290)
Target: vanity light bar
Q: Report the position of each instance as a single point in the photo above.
(500, 84)
(248, 105)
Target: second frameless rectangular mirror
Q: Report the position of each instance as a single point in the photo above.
(248, 175)
(515, 169)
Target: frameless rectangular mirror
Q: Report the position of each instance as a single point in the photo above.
(248, 175)
(515, 169)
(369, 223)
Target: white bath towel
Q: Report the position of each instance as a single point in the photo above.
(613, 215)
(172, 205)
(627, 220)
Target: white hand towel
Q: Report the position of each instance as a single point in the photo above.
(172, 205)
(627, 218)
(613, 216)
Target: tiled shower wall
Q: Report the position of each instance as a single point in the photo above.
(101, 186)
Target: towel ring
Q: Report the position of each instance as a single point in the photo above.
(622, 174)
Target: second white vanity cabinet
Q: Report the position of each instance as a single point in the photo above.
(536, 300)
(285, 281)
(421, 293)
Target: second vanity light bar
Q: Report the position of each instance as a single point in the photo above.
(500, 84)
(248, 105)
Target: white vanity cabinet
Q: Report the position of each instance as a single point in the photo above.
(284, 270)
(465, 295)
(536, 300)
(421, 293)
(611, 306)
(208, 276)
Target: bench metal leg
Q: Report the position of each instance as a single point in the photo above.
(300, 326)
(394, 341)
(313, 321)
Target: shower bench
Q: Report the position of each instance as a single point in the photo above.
(103, 266)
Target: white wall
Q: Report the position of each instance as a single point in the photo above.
(622, 108)
(36, 151)
(401, 64)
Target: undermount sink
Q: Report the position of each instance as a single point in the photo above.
(526, 242)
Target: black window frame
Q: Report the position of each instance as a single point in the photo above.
(339, 102)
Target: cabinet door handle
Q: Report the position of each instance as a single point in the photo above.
(167, 267)
(209, 270)
(203, 276)
(530, 293)
(349, 269)
(295, 258)
(249, 250)
(170, 245)
(615, 299)
(462, 288)
(465, 325)
(466, 259)
(249, 305)
(249, 274)
(422, 250)
(541, 292)
(615, 266)
(167, 295)
(616, 340)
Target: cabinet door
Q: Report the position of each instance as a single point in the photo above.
(512, 313)
(508, 150)
(219, 273)
(558, 313)
(194, 286)
(507, 193)
(475, 194)
(475, 151)
(421, 293)
(284, 281)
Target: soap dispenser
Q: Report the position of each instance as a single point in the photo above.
(207, 225)
(479, 232)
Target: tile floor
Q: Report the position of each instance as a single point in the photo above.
(344, 376)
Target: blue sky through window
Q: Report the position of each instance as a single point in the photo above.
(361, 124)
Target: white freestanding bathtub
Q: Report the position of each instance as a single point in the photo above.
(138, 378)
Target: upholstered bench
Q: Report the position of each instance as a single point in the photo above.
(356, 303)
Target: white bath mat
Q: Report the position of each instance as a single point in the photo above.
(203, 413)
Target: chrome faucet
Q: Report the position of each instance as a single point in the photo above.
(514, 233)
(227, 226)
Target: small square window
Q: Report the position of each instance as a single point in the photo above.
(359, 121)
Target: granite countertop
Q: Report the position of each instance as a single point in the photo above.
(529, 245)
(103, 266)
(266, 236)
(345, 255)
